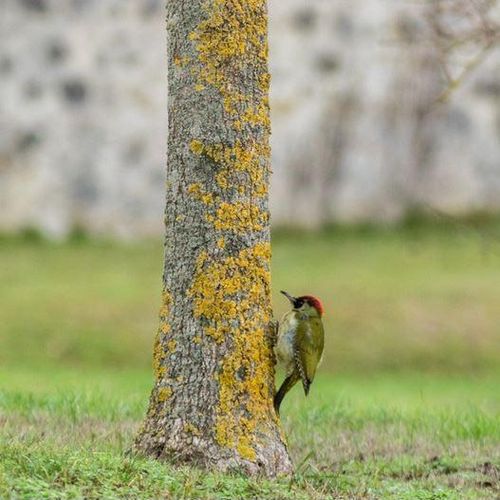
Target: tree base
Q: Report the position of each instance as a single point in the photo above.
(180, 448)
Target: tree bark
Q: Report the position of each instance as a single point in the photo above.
(212, 402)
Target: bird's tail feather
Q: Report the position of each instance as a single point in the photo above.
(287, 384)
(306, 383)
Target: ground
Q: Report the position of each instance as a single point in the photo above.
(406, 404)
(64, 433)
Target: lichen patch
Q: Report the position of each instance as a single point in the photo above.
(231, 43)
(159, 349)
(228, 294)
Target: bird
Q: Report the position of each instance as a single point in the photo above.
(300, 343)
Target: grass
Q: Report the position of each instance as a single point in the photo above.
(64, 435)
(406, 405)
(419, 299)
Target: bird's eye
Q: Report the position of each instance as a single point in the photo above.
(299, 304)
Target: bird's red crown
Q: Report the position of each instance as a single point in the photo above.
(313, 302)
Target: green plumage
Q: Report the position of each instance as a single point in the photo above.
(308, 348)
(299, 346)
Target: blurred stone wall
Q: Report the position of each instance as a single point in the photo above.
(357, 134)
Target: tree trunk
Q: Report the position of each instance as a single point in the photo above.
(212, 403)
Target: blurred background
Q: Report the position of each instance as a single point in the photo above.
(385, 196)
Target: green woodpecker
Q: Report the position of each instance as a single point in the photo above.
(299, 347)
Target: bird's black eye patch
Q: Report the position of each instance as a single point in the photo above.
(298, 303)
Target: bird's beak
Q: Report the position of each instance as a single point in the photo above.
(289, 297)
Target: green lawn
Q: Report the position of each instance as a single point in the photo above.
(64, 433)
(406, 405)
(421, 299)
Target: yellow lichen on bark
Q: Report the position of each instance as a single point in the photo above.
(240, 167)
(158, 368)
(232, 37)
(230, 40)
(164, 393)
(196, 147)
(197, 191)
(229, 292)
(192, 429)
(159, 351)
(257, 115)
(238, 217)
(181, 61)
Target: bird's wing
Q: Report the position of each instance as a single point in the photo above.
(308, 350)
